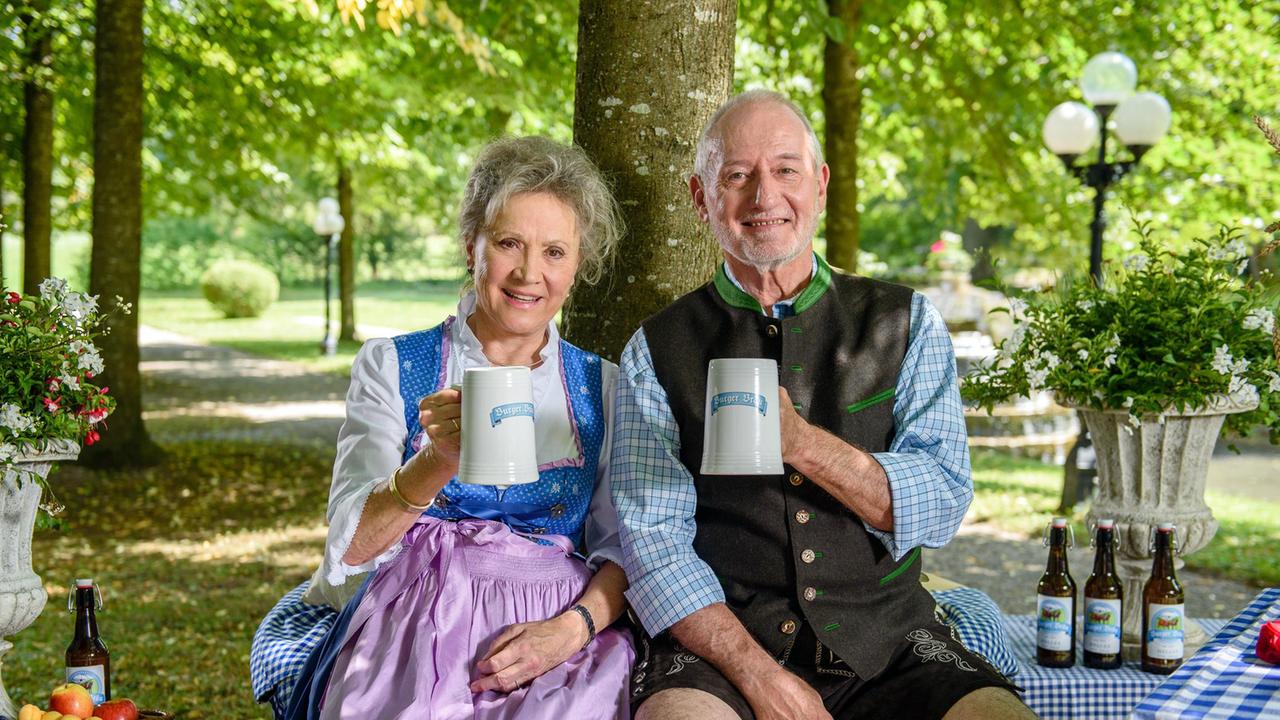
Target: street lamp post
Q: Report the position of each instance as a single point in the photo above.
(1071, 130)
(328, 225)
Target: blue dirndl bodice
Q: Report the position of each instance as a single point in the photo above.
(558, 502)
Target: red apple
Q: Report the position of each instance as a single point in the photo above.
(71, 699)
(121, 709)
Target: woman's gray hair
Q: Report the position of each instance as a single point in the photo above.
(709, 140)
(512, 166)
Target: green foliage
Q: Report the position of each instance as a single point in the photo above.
(239, 288)
(46, 381)
(1172, 331)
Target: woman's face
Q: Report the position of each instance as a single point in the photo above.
(524, 265)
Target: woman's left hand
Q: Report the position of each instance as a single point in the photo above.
(527, 650)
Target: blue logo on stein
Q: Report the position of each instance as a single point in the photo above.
(509, 410)
(747, 399)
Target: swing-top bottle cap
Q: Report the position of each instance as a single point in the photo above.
(1059, 522)
(1165, 527)
(1106, 524)
(84, 582)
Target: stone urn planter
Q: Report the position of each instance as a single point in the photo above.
(1151, 474)
(22, 595)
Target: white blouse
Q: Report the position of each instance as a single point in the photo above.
(372, 440)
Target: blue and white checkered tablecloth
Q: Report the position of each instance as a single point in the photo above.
(1224, 679)
(1078, 692)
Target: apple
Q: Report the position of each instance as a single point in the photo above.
(120, 709)
(71, 699)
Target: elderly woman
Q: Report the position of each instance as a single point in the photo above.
(477, 606)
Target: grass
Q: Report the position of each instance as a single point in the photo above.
(1019, 495)
(291, 329)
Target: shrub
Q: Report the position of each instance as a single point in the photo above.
(239, 288)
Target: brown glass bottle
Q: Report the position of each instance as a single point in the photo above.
(1056, 603)
(1163, 608)
(88, 662)
(1103, 603)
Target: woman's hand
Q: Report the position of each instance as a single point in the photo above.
(440, 415)
(527, 650)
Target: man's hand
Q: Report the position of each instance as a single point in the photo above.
(780, 695)
(795, 429)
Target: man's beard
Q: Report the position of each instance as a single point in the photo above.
(759, 255)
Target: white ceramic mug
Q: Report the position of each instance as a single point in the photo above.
(498, 445)
(742, 431)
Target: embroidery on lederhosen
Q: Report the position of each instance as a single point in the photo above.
(827, 662)
(930, 648)
(990, 666)
(683, 657)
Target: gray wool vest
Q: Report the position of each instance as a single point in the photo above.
(786, 551)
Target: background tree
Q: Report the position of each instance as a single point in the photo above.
(649, 75)
(117, 222)
(37, 144)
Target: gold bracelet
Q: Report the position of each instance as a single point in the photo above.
(395, 493)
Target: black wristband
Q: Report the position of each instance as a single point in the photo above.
(591, 625)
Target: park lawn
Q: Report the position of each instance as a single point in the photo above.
(292, 328)
(1020, 495)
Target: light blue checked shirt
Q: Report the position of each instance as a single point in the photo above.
(927, 465)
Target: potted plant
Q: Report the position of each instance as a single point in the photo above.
(49, 404)
(1169, 350)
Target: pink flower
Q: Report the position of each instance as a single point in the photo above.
(54, 384)
(51, 405)
(12, 298)
(96, 416)
(103, 390)
(938, 246)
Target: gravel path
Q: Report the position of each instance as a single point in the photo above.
(208, 392)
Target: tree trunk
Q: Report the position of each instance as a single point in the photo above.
(117, 223)
(37, 149)
(4, 167)
(649, 76)
(346, 256)
(842, 108)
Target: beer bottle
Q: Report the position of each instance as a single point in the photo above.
(1103, 599)
(88, 662)
(1163, 608)
(1056, 602)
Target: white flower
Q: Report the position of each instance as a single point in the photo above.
(91, 361)
(1240, 383)
(1109, 360)
(1128, 403)
(1260, 319)
(1274, 385)
(1113, 343)
(53, 289)
(1222, 360)
(1134, 420)
(1230, 251)
(11, 417)
(1084, 354)
(69, 381)
(1137, 262)
(7, 452)
(1239, 366)
(1036, 378)
(79, 306)
(1017, 306)
(1085, 305)
(1051, 361)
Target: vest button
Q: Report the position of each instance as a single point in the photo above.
(557, 510)
(802, 516)
(787, 627)
(808, 555)
(810, 594)
(441, 501)
(796, 478)
(771, 330)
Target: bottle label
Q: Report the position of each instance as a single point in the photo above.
(1101, 626)
(1053, 623)
(91, 678)
(1165, 631)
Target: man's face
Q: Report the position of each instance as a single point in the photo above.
(763, 196)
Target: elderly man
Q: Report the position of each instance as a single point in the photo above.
(793, 596)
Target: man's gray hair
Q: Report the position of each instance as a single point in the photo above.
(709, 140)
(512, 166)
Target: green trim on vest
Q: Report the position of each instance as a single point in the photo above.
(739, 298)
(873, 400)
(911, 558)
